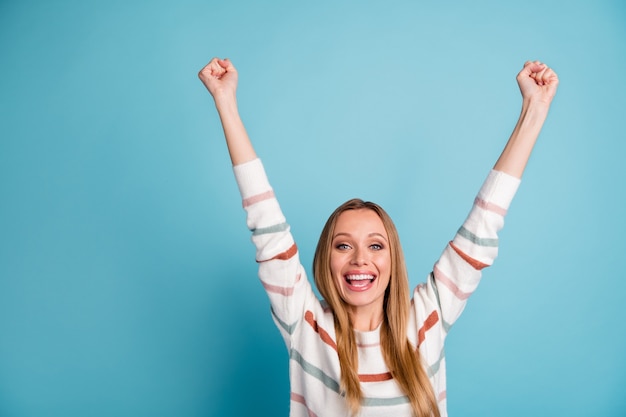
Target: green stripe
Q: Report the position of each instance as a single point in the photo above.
(320, 375)
(446, 325)
(289, 328)
(271, 229)
(381, 402)
(480, 241)
(433, 285)
(314, 371)
(434, 368)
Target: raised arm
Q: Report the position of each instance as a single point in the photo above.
(220, 77)
(538, 84)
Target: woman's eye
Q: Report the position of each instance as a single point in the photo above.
(376, 246)
(342, 246)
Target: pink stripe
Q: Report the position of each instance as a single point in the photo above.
(367, 345)
(286, 291)
(494, 208)
(300, 399)
(442, 396)
(247, 202)
(441, 277)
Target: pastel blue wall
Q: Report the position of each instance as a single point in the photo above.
(127, 279)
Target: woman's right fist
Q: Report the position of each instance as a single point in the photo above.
(219, 77)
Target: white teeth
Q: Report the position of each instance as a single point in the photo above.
(359, 277)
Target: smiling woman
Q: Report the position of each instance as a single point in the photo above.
(368, 348)
(360, 264)
(360, 271)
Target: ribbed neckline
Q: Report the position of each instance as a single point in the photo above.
(368, 337)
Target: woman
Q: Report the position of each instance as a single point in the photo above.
(368, 349)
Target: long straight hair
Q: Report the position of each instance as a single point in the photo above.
(401, 357)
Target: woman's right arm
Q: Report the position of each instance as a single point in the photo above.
(280, 271)
(220, 77)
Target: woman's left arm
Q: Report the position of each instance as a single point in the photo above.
(538, 84)
(458, 271)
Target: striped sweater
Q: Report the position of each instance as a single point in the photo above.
(306, 323)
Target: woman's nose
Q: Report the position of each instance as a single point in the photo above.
(359, 257)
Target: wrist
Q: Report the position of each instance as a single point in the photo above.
(225, 102)
(536, 104)
(534, 110)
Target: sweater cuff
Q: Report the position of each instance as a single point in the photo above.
(499, 188)
(251, 178)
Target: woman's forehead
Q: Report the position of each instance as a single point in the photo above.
(360, 221)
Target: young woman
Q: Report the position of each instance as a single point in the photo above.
(368, 348)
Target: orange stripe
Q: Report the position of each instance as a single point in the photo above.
(375, 377)
(476, 264)
(431, 320)
(308, 316)
(283, 256)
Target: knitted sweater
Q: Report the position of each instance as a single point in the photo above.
(306, 323)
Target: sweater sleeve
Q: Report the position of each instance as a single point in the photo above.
(458, 271)
(280, 271)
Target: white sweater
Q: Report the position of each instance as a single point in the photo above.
(306, 324)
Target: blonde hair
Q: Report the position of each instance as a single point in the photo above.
(401, 357)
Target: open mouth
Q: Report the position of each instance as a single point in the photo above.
(359, 282)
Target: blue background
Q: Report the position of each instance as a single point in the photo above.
(127, 279)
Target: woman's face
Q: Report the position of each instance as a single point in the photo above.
(360, 261)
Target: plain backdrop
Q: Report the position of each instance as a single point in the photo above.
(127, 278)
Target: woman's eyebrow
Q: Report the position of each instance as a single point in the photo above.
(378, 234)
(369, 235)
